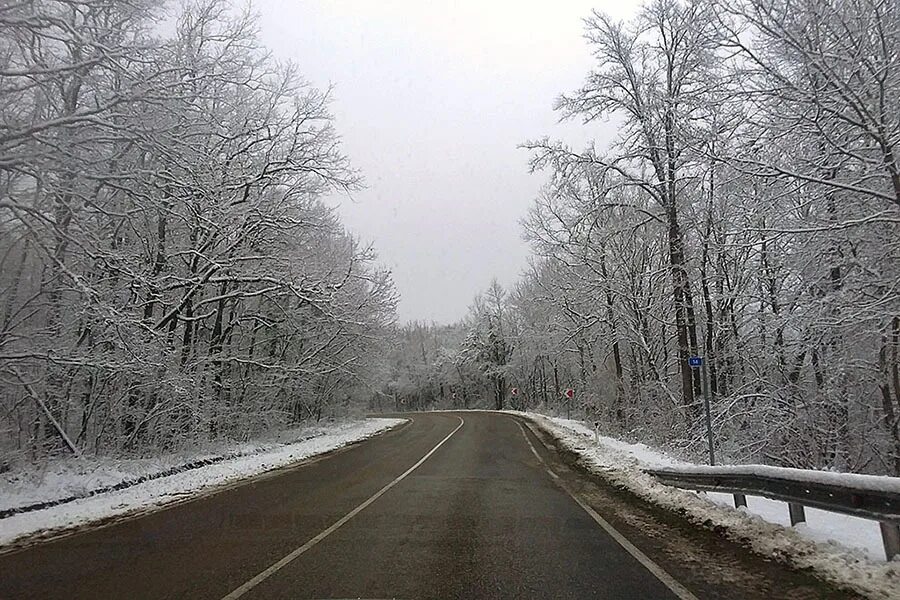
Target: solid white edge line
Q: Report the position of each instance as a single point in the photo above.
(252, 583)
(667, 580)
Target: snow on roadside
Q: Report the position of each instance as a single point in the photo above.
(843, 549)
(645, 456)
(79, 477)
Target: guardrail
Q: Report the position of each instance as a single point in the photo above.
(863, 497)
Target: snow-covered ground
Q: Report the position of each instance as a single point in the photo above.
(69, 478)
(844, 549)
(821, 526)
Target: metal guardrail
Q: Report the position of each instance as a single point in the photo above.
(878, 505)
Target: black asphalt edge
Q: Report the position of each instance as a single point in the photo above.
(127, 483)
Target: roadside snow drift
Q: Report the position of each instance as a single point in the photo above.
(77, 489)
(842, 549)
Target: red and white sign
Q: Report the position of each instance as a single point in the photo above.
(514, 391)
(569, 393)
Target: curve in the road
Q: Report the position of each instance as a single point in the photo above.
(453, 505)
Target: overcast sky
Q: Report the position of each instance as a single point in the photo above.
(431, 99)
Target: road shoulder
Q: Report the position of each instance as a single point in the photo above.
(699, 552)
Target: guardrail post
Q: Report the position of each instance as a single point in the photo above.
(798, 515)
(864, 500)
(890, 535)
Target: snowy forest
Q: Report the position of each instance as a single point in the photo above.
(172, 271)
(169, 271)
(748, 212)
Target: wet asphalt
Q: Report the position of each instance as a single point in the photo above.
(481, 517)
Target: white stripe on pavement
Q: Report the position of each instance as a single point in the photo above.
(252, 583)
(667, 580)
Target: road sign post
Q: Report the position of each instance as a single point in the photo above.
(697, 362)
(569, 394)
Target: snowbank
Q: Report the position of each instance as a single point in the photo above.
(840, 548)
(79, 490)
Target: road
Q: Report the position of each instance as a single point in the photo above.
(451, 505)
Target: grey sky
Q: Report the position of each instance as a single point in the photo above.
(431, 99)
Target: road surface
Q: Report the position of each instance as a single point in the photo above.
(451, 505)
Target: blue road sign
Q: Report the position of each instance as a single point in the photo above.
(696, 361)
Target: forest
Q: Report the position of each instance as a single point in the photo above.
(169, 271)
(748, 212)
(172, 272)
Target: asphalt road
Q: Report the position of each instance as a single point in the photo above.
(451, 505)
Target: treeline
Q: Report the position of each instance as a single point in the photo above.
(168, 271)
(458, 366)
(748, 212)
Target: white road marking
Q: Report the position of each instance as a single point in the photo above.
(667, 580)
(252, 583)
